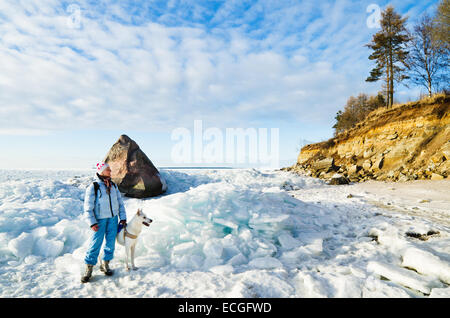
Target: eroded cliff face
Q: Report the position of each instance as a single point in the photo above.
(407, 142)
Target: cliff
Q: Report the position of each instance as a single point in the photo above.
(406, 142)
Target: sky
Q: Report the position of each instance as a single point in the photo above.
(75, 75)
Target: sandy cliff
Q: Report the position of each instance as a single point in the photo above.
(409, 141)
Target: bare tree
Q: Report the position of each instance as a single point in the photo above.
(427, 61)
(356, 110)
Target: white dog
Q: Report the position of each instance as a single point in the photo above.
(128, 235)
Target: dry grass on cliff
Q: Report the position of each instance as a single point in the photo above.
(438, 98)
(438, 105)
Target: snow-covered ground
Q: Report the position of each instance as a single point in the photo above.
(232, 233)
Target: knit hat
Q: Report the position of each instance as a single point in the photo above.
(101, 166)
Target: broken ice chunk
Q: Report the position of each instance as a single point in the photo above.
(265, 263)
(426, 263)
(288, 242)
(403, 276)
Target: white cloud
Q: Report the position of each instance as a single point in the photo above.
(301, 63)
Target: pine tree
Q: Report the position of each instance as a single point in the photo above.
(389, 51)
(442, 24)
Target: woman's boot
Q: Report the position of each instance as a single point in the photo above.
(104, 267)
(87, 274)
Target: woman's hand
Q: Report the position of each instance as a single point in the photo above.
(94, 227)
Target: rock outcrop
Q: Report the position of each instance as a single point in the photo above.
(132, 170)
(406, 142)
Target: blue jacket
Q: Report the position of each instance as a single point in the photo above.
(106, 206)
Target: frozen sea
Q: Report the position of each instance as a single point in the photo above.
(232, 233)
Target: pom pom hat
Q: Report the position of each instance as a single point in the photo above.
(101, 166)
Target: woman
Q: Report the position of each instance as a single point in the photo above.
(103, 206)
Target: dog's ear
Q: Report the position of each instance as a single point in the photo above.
(139, 212)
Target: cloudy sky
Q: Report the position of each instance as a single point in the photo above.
(75, 75)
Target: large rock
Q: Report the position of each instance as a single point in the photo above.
(353, 169)
(378, 164)
(324, 164)
(132, 171)
(367, 165)
(338, 179)
(435, 176)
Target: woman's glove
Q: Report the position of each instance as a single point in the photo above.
(94, 227)
(123, 222)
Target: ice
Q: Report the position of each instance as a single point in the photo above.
(32, 259)
(389, 237)
(344, 285)
(287, 241)
(376, 288)
(238, 259)
(265, 262)
(22, 246)
(426, 263)
(440, 293)
(68, 263)
(225, 223)
(259, 248)
(48, 248)
(220, 233)
(315, 247)
(222, 269)
(213, 249)
(403, 276)
(183, 248)
(309, 285)
(261, 283)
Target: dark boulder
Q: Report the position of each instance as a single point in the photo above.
(338, 179)
(132, 170)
